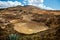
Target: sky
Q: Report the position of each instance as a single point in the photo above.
(44, 4)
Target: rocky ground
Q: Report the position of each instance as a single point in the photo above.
(29, 25)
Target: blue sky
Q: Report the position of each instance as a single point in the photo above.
(53, 3)
(44, 4)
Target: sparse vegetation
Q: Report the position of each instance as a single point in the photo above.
(30, 16)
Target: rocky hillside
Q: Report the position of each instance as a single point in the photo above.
(29, 23)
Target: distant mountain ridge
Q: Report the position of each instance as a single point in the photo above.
(33, 9)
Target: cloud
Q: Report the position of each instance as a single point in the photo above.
(5, 4)
(38, 3)
(45, 7)
(31, 2)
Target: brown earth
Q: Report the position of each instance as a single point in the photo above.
(29, 23)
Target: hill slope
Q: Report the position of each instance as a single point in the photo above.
(29, 22)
